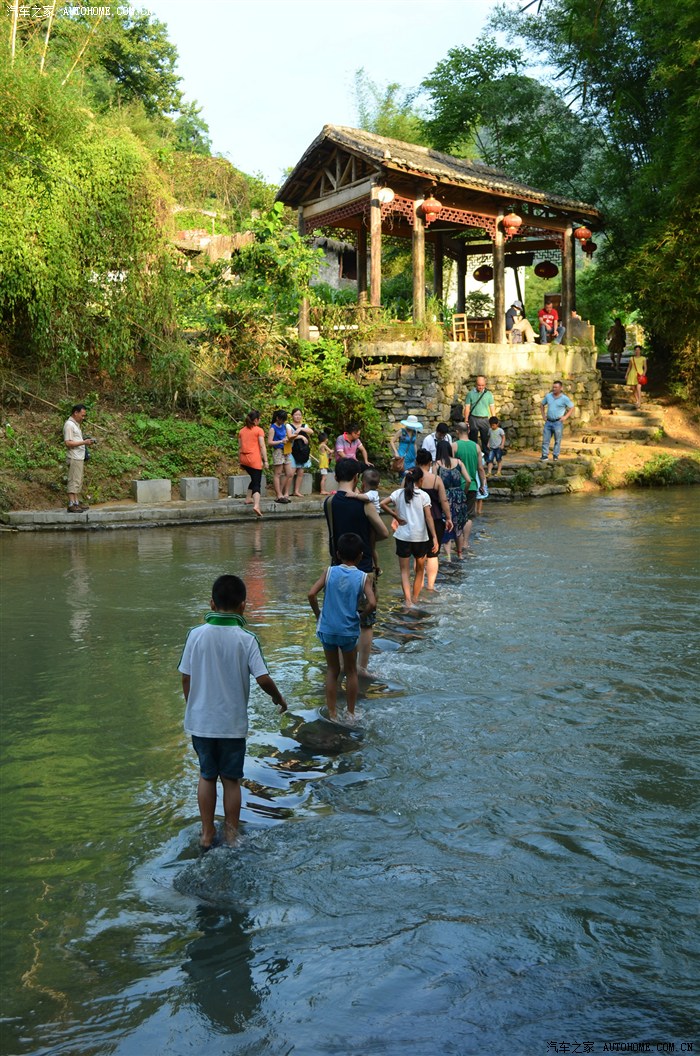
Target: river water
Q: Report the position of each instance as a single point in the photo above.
(503, 865)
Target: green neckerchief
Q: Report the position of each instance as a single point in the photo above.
(225, 619)
(232, 619)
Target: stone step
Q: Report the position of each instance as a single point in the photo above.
(598, 435)
(625, 419)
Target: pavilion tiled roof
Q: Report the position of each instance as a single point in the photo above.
(394, 155)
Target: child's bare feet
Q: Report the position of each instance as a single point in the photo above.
(208, 838)
(230, 835)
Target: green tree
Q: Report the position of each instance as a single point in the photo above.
(82, 254)
(483, 105)
(631, 67)
(191, 130)
(387, 110)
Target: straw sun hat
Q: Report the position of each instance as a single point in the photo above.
(412, 423)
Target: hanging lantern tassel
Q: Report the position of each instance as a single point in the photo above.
(431, 209)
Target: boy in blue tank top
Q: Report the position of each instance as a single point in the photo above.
(339, 621)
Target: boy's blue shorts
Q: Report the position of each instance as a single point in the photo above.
(345, 643)
(220, 757)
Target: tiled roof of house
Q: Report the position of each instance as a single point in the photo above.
(393, 155)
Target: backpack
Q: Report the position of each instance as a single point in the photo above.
(301, 450)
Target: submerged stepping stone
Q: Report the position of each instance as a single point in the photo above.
(327, 737)
(386, 645)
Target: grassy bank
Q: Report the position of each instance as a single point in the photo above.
(150, 443)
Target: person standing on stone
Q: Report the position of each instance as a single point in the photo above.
(442, 432)
(252, 454)
(404, 442)
(468, 452)
(556, 408)
(617, 339)
(636, 369)
(345, 513)
(278, 438)
(478, 408)
(76, 455)
(301, 451)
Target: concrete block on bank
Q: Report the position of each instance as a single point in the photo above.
(331, 483)
(151, 491)
(238, 486)
(199, 489)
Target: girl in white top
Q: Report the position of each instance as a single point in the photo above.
(415, 535)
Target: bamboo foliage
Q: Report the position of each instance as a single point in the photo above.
(46, 38)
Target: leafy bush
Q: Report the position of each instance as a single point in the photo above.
(665, 469)
(522, 482)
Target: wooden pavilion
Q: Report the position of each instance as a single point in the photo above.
(374, 186)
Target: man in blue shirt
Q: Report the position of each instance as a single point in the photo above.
(556, 408)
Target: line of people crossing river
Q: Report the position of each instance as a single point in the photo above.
(441, 483)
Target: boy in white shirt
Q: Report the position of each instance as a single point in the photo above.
(217, 663)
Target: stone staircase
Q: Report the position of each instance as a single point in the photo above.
(618, 423)
(619, 420)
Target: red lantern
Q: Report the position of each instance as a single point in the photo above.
(431, 209)
(582, 233)
(484, 273)
(512, 224)
(589, 247)
(546, 269)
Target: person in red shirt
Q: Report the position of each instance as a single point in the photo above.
(253, 456)
(549, 324)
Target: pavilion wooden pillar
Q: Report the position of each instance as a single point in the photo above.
(438, 261)
(361, 252)
(499, 283)
(303, 328)
(568, 279)
(375, 248)
(461, 277)
(418, 263)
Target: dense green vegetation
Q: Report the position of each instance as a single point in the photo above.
(102, 163)
(595, 99)
(102, 160)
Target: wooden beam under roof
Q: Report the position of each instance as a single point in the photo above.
(359, 191)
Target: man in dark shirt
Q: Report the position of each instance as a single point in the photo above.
(347, 512)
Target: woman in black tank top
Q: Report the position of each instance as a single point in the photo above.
(440, 509)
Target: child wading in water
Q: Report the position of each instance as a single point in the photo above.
(339, 620)
(218, 661)
(415, 536)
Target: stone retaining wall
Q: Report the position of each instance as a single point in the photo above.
(434, 387)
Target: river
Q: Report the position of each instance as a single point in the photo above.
(506, 863)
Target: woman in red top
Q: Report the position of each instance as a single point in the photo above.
(252, 454)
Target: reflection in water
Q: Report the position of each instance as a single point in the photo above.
(78, 590)
(505, 857)
(219, 969)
